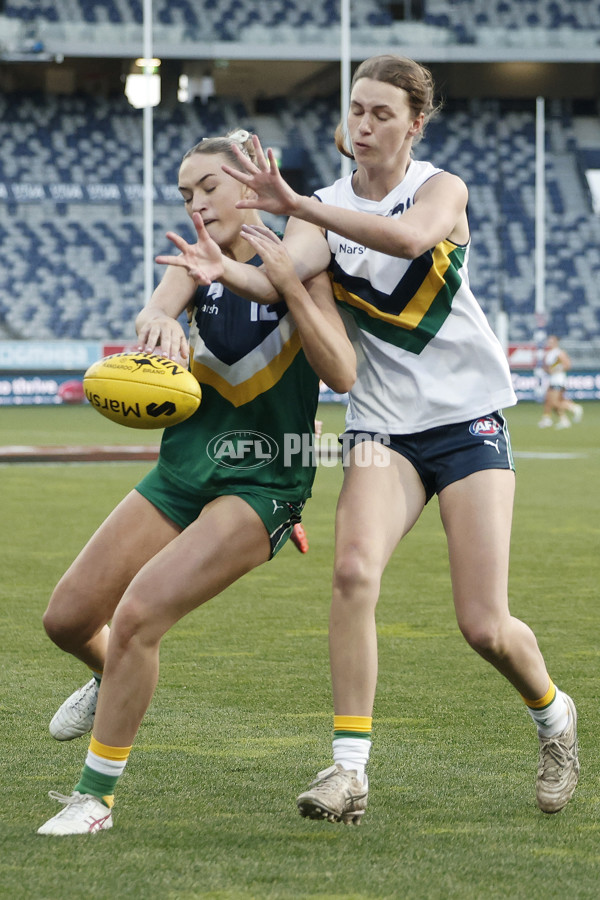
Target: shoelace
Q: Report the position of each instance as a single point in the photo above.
(83, 701)
(325, 774)
(555, 757)
(87, 701)
(330, 780)
(63, 798)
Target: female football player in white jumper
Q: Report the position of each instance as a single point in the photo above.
(425, 410)
(556, 365)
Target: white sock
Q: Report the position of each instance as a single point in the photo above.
(554, 718)
(352, 753)
(105, 766)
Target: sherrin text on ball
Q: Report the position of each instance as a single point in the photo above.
(142, 390)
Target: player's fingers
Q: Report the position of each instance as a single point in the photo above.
(198, 224)
(249, 204)
(176, 239)
(259, 243)
(169, 261)
(245, 160)
(152, 339)
(263, 231)
(142, 338)
(273, 167)
(260, 156)
(201, 277)
(250, 232)
(169, 339)
(243, 177)
(273, 253)
(184, 350)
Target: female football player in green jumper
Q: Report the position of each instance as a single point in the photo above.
(226, 492)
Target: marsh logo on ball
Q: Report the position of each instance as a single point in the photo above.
(487, 426)
(242, 449)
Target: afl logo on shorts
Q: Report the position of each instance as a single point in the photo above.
(486, 426)
(242, 449)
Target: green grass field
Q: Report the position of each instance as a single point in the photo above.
(241, 720)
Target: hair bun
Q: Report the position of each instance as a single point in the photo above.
(240, 136)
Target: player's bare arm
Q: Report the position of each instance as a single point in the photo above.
(438, 212)
(156, 324)
(307, 247)
(319, 324)
(205, 263)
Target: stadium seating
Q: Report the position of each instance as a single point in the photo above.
(480, 19)
(463, 21)
(75, 269)
(64, 28)
(71, 166)
(225, 19)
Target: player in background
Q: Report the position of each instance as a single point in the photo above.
(192, 527)
(431, 382)
(556, 365)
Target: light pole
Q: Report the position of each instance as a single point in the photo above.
(345, 62)
(143, 91)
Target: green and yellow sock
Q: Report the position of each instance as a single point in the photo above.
(103, 767)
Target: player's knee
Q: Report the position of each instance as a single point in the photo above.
(486, 638)
(54, 626)
(65, 628)
(133, 623)
(355, 573)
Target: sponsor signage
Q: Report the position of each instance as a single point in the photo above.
(40, 390)
(523, 356)
(48, 356)
(35, 372)
(580, 385)
(52, 388)
(116, 192)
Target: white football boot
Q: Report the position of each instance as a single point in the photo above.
(337, 795)
(82, 814)
(76, 715)
(558, 766)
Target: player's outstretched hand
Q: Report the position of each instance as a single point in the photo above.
(202, 260)
(277, 262)
(272, 193)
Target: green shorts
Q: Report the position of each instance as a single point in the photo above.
(183, 506)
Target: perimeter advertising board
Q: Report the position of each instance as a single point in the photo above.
(34, 373)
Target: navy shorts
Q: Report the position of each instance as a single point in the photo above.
(448, 453)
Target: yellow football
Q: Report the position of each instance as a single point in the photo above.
(141, 390)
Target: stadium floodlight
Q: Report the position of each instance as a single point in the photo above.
(345, 75)
(146, 97)
(142, 89)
